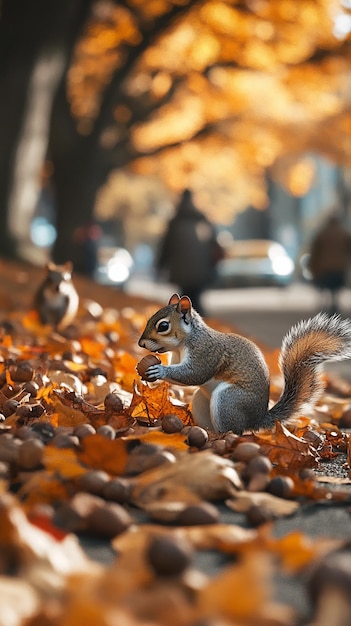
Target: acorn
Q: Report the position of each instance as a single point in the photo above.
(197, 437)
(171, 423)
(145, 363)
(168, 555)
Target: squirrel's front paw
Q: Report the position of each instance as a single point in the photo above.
(154, 372)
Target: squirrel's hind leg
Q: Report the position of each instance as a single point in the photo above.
(230, 409)
(201, 410)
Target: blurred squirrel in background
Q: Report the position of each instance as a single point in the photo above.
(231, 371)
(57, 300)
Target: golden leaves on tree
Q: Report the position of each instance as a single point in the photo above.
(259, 79)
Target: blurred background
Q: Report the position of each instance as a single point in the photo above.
(110, 109)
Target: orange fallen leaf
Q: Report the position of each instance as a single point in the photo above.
(296, 550)
(63, 462)
(243, 592)
(43, 488)
(286, 450)
(98, 452)
(92, 347)
(175, 441)
(150, 404)
(69, 415)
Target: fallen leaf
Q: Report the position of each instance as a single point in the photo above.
(243, 593)
(243, 500)
(150, 404)
(209, 476)
(98, 452)
(286, 450)
(296, 550)
(64, 462)
(174, 441)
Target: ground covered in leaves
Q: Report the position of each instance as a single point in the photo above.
(87, 449)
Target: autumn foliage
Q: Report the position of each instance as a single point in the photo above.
(90, 451)
(218, 94)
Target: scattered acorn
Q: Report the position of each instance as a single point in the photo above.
(22, 372)
(30, 454)
(65, 440)
(106, 431)
(259, 464)
(113, 403)
(168, 556)
(9, 407)
(145, 363)
(32, 388)
(219, 447)
(258, 514)
(197, 437)
(117, 490)
(143, 461)
(245, 451)
(93, 481)
(198, 514)
(171, 423)
(281, 486)
(108, 520)
(84, 430)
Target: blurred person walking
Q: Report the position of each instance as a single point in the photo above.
(330, 259)
(189, 251)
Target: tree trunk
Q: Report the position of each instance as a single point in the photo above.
(36, 39)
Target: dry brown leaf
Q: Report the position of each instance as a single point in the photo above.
(167, 508)
(77, 401)
(286, 450)
(243, 500)
(228, 538)
(66, 415)
(207, 475)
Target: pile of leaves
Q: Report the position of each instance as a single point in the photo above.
(88, 449)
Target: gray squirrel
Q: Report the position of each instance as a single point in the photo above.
(56, 300)
(230, 370)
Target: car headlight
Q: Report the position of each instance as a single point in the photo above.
(282, 265)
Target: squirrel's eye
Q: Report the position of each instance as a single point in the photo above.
(163, 326)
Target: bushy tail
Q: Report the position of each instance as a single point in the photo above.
(304, 349)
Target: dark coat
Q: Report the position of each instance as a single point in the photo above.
(330, 251)
(189, 251)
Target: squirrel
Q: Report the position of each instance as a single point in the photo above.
(231, 372)
(56, 301)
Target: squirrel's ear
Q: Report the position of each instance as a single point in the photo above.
(185, 308)
(174, 299)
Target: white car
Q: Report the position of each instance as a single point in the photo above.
(253, 263)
